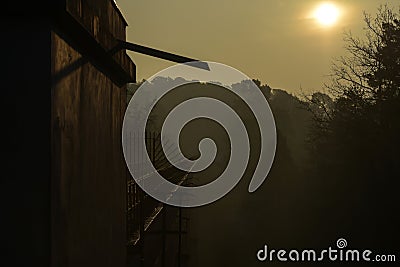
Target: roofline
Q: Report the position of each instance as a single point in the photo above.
(119, 11)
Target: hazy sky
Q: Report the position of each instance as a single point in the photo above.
(275, 41)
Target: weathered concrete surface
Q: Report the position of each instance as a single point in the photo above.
(88, 181)
(89, 178)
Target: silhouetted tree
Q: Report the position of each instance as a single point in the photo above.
(357, 139)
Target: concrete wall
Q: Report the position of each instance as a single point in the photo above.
(88, 181)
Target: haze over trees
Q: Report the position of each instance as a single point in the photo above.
(355, 139)
(337, 167)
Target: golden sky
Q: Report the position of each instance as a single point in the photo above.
(279, 42)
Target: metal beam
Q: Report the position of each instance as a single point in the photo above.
(163, 55)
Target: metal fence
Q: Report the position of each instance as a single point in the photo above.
(143, 211)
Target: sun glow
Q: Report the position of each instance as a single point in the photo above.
(326, 14)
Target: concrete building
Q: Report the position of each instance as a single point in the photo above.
(88, 100)
(68, 193)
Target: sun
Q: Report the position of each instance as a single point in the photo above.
(326, 14)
